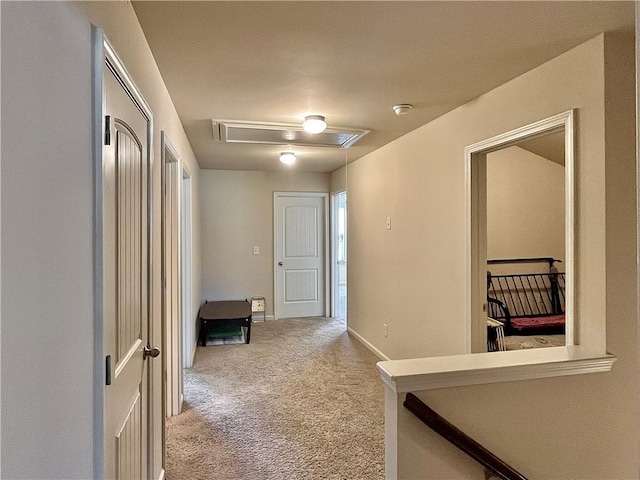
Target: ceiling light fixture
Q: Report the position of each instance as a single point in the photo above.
(287, 158)
(402, 108)
(314, 124)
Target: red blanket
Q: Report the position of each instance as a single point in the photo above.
(525, 323)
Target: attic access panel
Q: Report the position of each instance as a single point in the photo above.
(283, 134)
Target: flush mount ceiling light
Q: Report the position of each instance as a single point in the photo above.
(314, 124)
(287, 158)
(402, 108)
(289, 134)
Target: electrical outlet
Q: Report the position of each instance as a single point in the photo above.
(257, 305)
(256, 250)
(385, 330)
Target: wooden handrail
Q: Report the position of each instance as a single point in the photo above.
(460, 439)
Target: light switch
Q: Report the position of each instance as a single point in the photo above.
(256, 250)
(388, 223)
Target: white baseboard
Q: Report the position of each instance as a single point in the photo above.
(373, 349)
(258, 318)
(193, 352)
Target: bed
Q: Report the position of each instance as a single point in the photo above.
(529, 303)
(228, 313)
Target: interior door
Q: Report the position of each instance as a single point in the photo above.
(300, 278)
(126, 295)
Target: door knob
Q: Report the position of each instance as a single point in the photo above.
(280, 263)
(152, 352)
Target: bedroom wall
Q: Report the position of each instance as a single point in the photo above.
(525, 208)
(47, 228)
(568, 427)
(237, 214)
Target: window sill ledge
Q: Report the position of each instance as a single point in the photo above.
(417, 374)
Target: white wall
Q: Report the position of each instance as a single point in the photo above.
(412, 277)
(47, 220)
(525, 208)
(47, 267)
(237, 214)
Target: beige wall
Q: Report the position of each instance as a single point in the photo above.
(412, 277)
(47, 250)
(418, 181)
(47, 229)
(525, 209)
(339, 179)
(237, 214)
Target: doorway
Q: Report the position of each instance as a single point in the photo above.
(339, 256)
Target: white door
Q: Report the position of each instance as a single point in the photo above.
(126, 293)
(300, 238)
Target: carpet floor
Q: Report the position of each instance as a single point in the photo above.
(303, 400)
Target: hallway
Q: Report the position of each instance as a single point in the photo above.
(302, 400)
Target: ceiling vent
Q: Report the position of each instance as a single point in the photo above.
(283, 134)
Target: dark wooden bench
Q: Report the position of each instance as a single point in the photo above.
(228, 313)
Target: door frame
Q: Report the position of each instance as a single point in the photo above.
(103, 52)
(172, 329)
(327, 286)
(476, 228)
(188, 324)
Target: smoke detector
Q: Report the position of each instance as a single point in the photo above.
(402, 108)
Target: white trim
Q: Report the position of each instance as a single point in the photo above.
(162, 474)
(367, 344)
(478, 150)
(97, 99)
(259, 319)
(122, 75)
(165, 145)
(187, 280)
(325, 197)
(420, 374)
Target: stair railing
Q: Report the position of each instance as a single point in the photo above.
(493, 464)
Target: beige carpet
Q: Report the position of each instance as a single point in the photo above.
(302, 401)
(516, 342)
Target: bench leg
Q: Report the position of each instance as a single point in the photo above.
(203, 334)
(249, 331)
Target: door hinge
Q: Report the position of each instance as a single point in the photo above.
(108, 370)
(107, 130)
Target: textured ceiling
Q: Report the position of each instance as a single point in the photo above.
(351, 61)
